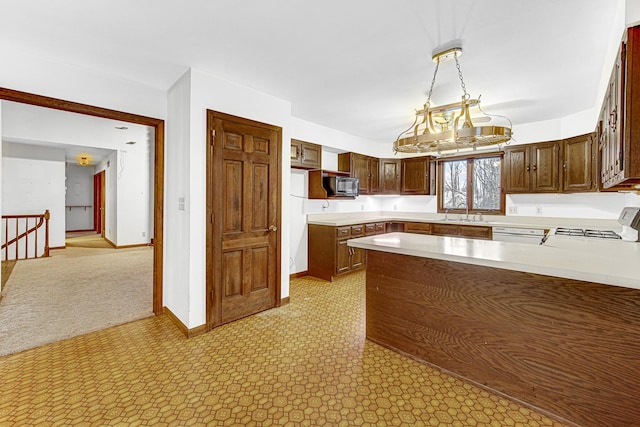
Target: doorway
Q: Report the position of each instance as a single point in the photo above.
(158, 184)
(243, 207)
(99, 203)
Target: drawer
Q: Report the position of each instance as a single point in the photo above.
(444, 229)
(357, 230)
(417, 227)
(475, 232)
(370, 228)
(380, 227)
(343, 231)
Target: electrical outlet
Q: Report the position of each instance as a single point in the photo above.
(513, 210)
(180, 203)
(395, 207)
(538, 210)
(144, 234)
(361, 207)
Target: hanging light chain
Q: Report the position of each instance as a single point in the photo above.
(464, 88)
(433, 81)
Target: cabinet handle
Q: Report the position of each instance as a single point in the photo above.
(564, 166)
(301, 154)
(528, 168)
(535, 167)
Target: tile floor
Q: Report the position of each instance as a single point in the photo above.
(304, 364)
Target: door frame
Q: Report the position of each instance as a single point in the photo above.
(216, 247)
(158, 178)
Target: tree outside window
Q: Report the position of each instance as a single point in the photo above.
(472, 183)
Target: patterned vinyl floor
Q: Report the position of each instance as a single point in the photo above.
(304, 364)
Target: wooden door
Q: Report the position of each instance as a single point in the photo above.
(343, 257)
(415, 175)
(360, 170)
(99, 202)
(374, 175)
(516, 169)
(243, 204)
(578, 164)
(390, 176)
(545, 167)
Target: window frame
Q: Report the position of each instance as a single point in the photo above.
(470, 164)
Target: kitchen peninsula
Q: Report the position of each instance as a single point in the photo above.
(556, 326)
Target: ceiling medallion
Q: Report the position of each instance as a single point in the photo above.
(451, 126)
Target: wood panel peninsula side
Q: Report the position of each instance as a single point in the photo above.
(482, 311)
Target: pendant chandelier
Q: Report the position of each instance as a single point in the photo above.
(451, 126)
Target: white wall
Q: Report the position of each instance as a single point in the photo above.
(108, 165)
(79, 192)
(201, 91)
(133, 194)
(32, 182)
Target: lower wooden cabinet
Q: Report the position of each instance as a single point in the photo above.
(329, 255)
(456, 230)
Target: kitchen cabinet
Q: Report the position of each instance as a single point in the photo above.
(482, 232)
(390, 170)
(532, 168)
(579, 164)
(329, 255)
(365, 168)
(417, 227)
(305, 155)
(417, 175)
(317, 189)
(618, 128)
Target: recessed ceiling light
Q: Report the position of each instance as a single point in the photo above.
(121, 127)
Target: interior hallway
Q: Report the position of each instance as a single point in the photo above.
(303, 364)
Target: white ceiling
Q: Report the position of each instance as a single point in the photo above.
(360, 66)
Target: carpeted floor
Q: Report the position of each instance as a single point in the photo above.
(90, 241)
(73, 292)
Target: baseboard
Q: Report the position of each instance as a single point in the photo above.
(77, 231)
(138, 245)
(189, 333)
(58, 247)
(299, 274)
(284, 301)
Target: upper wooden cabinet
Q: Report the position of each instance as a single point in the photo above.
(305, 155)
(390, 170)
(365, 168)
(532, 168)
(417, 175)
(579, 164)
(618, 129)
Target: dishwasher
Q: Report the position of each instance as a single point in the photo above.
(519, 235)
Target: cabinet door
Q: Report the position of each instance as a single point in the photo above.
(578, 164)
(311, 155)
(343, 257)
(296, 152)
(417, 227)
(415, 175)
(390, 176)
(516, 169)
(444, 229)
(360, 169)
(374, 175)
(358, 257)
(545, 167)
(475, 232)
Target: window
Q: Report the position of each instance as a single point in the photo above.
(471, 182)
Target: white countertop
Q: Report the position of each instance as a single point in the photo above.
(592, 260)
(342, 219)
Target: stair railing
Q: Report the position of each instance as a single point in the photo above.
(23, 238)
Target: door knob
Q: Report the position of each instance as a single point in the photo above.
(273, 228)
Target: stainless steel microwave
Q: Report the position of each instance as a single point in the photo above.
(341, 186)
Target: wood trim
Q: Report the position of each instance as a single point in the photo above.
(189, 333)
(298, 274)
(77, 231)
(566, 346)
(158, 191)
(139, 245)
(111, 243)
(58, 247)
(284, 301)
